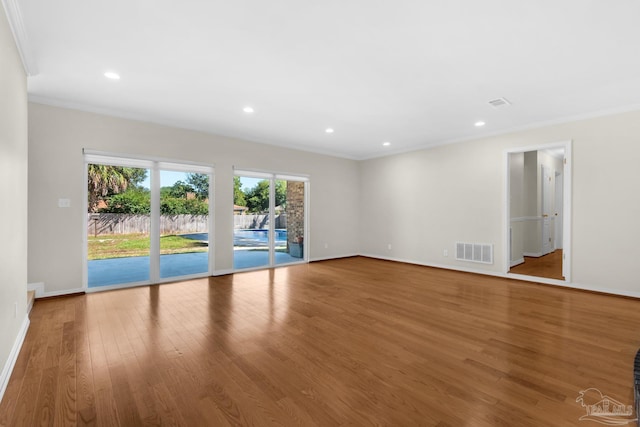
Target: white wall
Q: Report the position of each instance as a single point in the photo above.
(57, 137)
(457, 191)
(13, 196)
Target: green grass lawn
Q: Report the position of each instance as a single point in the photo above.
(128, 245)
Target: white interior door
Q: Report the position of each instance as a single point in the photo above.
(546, 192)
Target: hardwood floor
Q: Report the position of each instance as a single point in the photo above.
(346, 342)
(549, 266)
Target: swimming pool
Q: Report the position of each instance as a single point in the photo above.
(259, 237)
(248, 237)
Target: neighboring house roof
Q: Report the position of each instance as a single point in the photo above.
(101, 205)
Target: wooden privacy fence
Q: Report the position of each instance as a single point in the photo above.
(255, 221)
(110, 223)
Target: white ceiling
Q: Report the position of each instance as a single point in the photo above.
(413, 72)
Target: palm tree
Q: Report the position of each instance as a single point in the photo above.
(104, 180)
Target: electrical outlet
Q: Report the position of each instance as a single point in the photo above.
(64, 203)
(389, 246)
(326, 245)
(445, 252)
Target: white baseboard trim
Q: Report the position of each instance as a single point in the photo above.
(543, 280)
(573, 285)
(63, 292)
(517, 262)
(37, 287)
(89, 290)
(443, 266)
(533, 254)
(13, 356)
(30, 303)
(327, 258)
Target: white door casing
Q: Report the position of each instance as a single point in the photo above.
(545, 193)
(565, 220)
(558, 210)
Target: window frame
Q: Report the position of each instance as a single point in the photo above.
(154, 165)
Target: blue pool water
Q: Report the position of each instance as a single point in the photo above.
(248, 238)
(251, 237)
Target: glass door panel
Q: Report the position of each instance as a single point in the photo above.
(251, 236)
(118, 225)
(184, 223)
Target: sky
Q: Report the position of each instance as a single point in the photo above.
(168, 178)
(249, 183)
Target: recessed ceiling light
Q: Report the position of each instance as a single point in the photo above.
(111, 75)
(329, 130)
(248, 110)
(480, 124)
(386, 144)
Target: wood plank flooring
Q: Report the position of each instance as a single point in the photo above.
(354, 341)
(549, 266)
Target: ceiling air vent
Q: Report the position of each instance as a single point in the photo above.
(499, 102)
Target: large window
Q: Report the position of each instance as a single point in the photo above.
(269, 219)
(147, 221)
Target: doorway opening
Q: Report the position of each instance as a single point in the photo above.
(537, 212)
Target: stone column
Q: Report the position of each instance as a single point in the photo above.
(295, 218)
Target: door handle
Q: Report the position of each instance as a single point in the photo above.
(545, 216)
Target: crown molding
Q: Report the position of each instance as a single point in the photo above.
(14, 16)
(509, 130)
(148, 118)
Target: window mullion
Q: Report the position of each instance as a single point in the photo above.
(272, 221)
(154, 253)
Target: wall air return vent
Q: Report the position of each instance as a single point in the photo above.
(499, 102)
(474, 252)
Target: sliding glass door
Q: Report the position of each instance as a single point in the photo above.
(251, 222)
(147, 221)
(184, 225)
(118, 224)
(269, 219)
